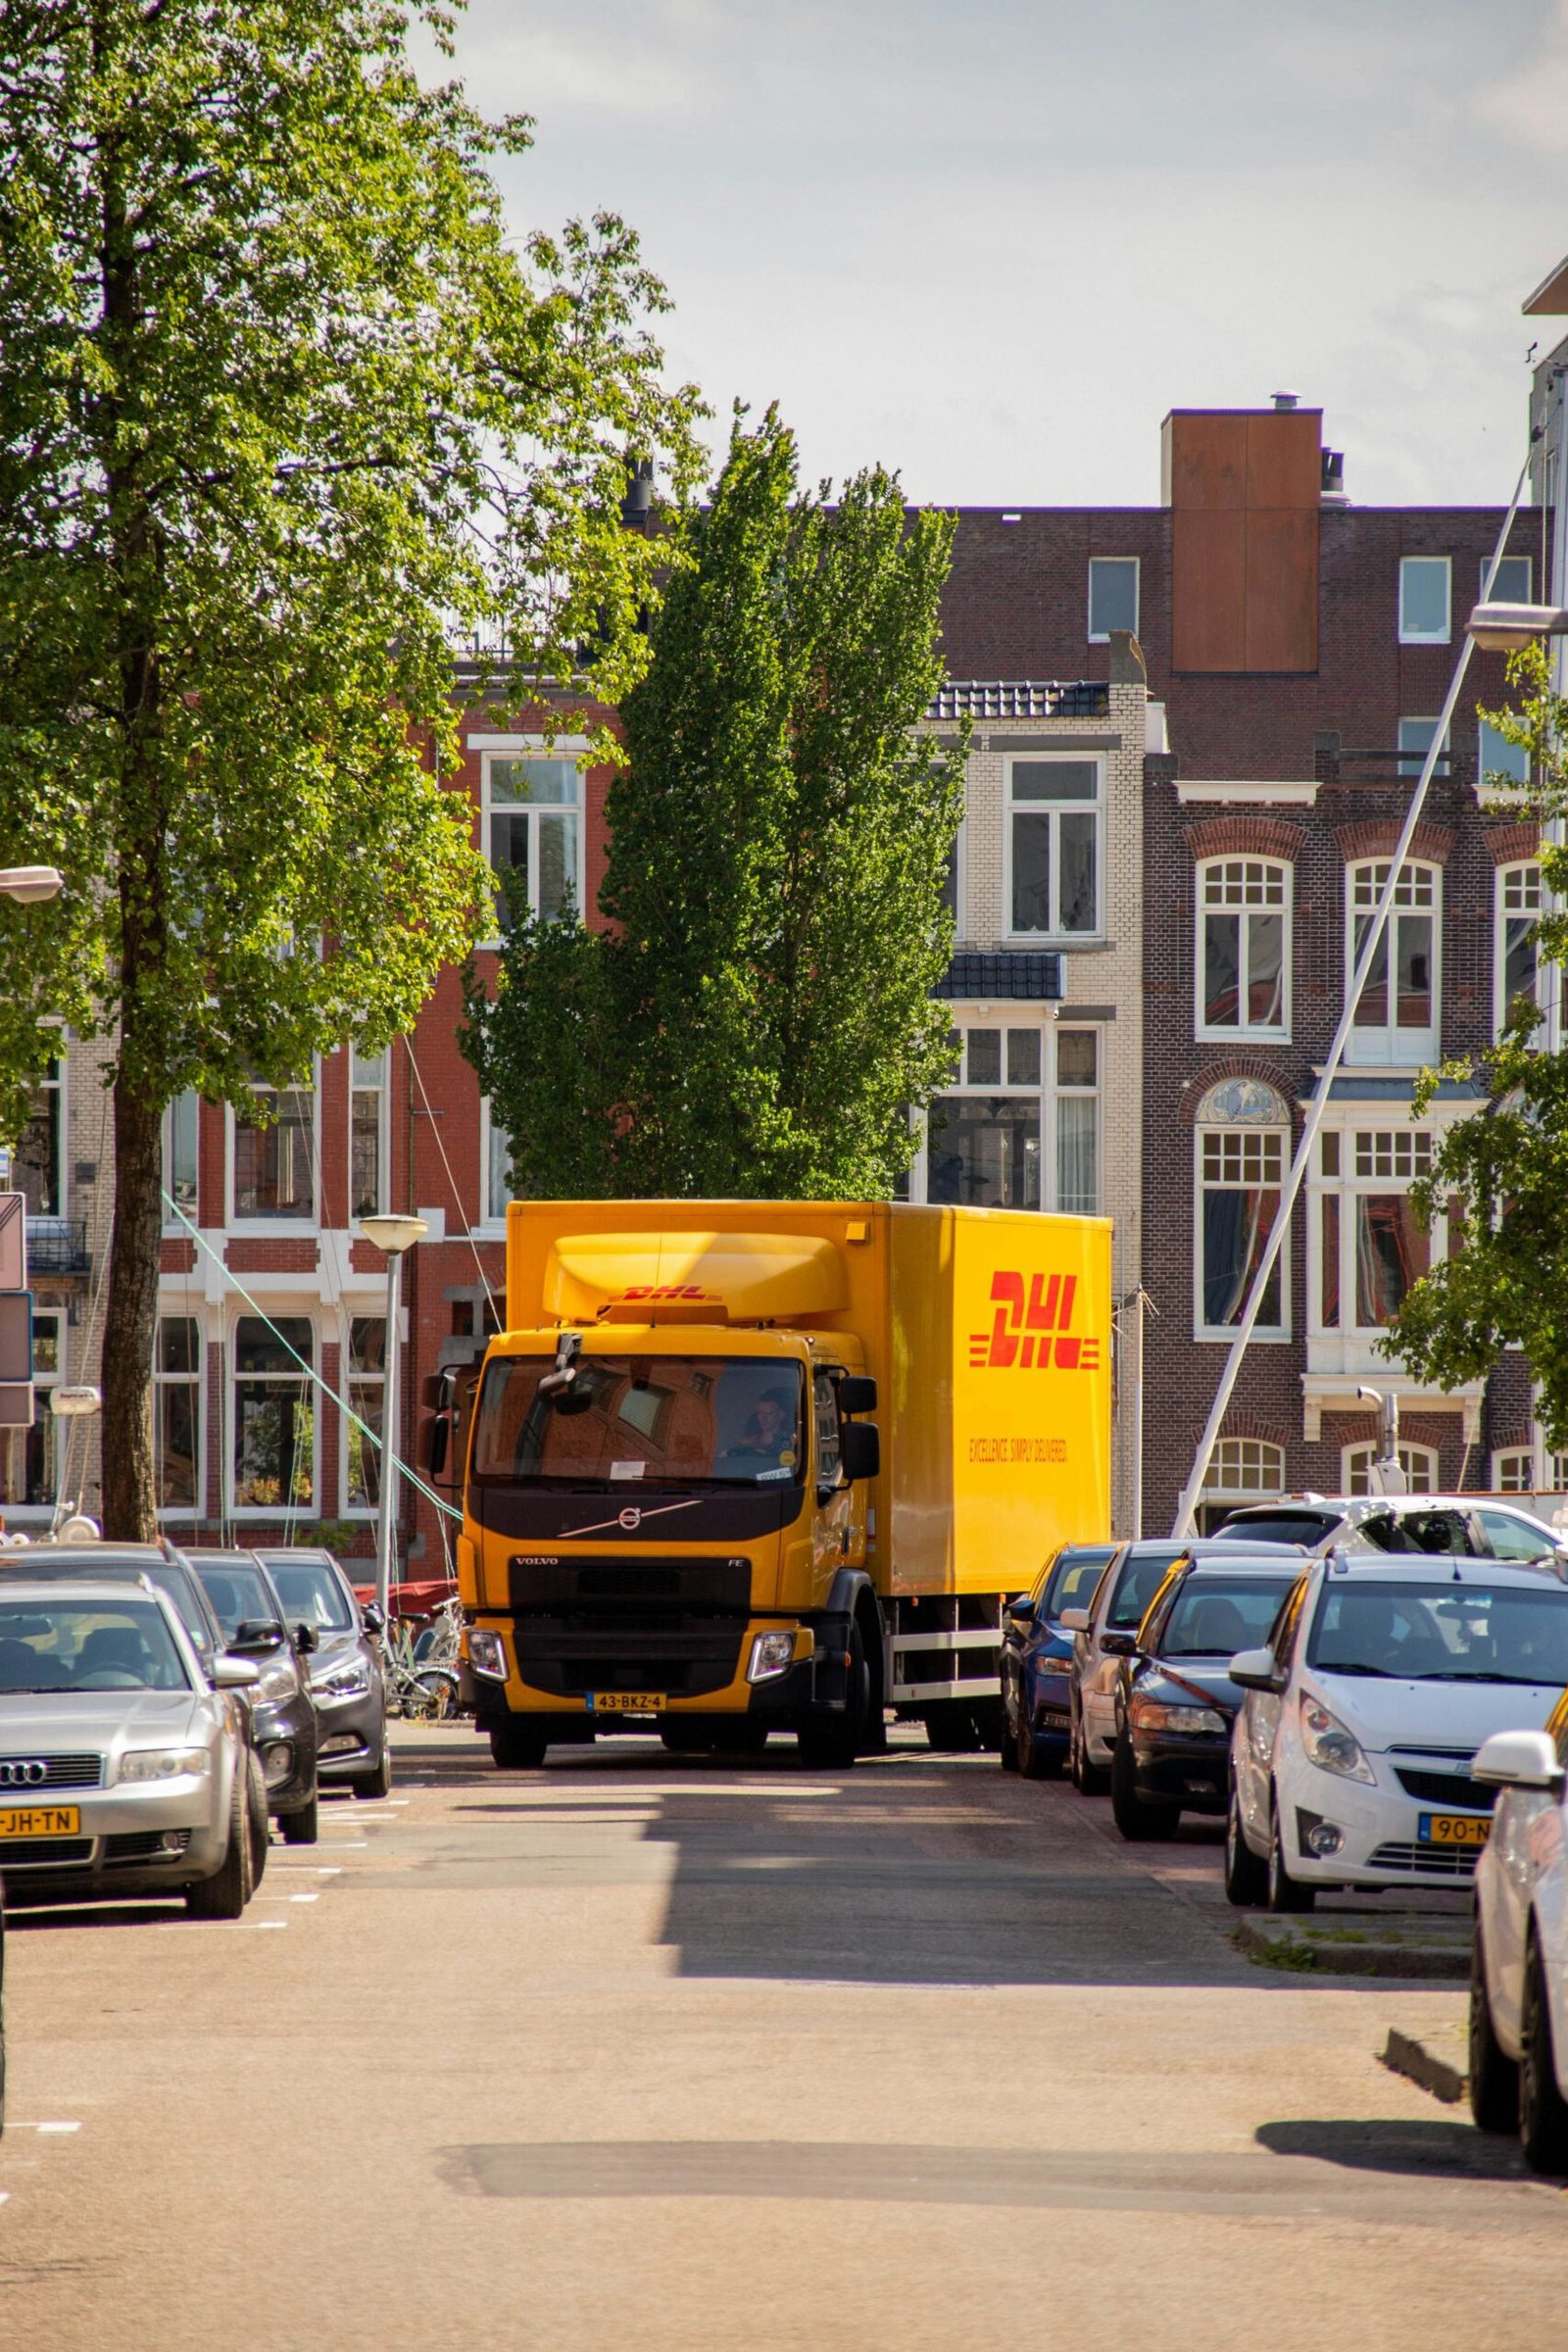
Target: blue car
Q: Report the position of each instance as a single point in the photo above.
(1037, 1661)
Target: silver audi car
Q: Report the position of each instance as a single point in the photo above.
(122, 1772)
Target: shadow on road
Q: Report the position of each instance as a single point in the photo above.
(1453, 2151)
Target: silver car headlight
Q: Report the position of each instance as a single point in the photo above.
(1160, 1715)
(1327, 1744)
(160, 1763)
(344, 1682)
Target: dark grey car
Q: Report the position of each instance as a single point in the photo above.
(346, 1679)
(257, 1626)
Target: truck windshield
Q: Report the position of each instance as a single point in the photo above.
(706, 1420)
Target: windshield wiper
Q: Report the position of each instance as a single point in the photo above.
(1528, 1682)
(1383, 1674)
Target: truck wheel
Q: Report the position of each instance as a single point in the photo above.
(747, 1738)
(684, 1738)
(950, 1726)
(517, 1747)
(1140, 1822)
(1493, 2077)
(831, 1743)
(990, 1720)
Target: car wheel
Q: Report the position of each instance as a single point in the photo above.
(517, 1747)
(1087, 1778)
(1493, 2077)
(1542, 2110)
(1035, 1762)
(831, 1743)
(261, 1820)
(304, 1827)
(1246, 1873)
(1012, 1736)
(226, 1892)
(1284, 1894)
(371, 1785)
(1140, 1822)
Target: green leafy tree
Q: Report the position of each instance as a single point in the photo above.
(1502, 1173)
(282, 409)
(758, 1017)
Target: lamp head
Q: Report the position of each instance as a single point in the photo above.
(393, 1235)
(1509, 628)
(75, 1402)
(28, 883)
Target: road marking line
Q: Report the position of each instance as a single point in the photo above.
(287, 1898)
(307, 1870)
(195, 1927)
(350, 1845)
(15, 2127)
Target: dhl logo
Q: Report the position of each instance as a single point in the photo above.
(665, 1290)
(1035, 1332)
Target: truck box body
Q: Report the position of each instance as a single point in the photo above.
(987, 1333)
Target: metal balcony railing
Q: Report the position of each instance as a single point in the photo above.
(58, 1245)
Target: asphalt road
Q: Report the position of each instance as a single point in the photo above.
(697, 2057)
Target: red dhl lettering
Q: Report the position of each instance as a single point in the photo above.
(665, 1290)
(1032, 1333)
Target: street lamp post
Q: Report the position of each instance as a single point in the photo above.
(394, 1236)
(70, 1405)
(28, 883)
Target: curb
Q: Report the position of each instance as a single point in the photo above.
(1404, 2055)
(1274, 1944)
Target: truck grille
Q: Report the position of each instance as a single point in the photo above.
(624, 1624)
(60, 1772)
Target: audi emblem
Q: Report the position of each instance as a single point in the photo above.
(14, 1773)
(631, 1519)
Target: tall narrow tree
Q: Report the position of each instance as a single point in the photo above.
(760, 1019)
(280, 408)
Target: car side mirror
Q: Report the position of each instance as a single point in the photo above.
(1020, 1613)
(1518, 1760)
(306, 1638)
(234, 1673)
(857, 1394)
(1074, 1621)
(1256, 1670)
(373, 1617)
(861, 1450)
(257, 1633)
(1118, 1646)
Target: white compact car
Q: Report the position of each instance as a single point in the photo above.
(1519, 1973)
(1351, 1757)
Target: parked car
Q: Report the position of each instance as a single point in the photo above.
(247, 1605)
(1451, 1526)
(347, 1682)
(1103, 1635)
(1037, 1661)
(122, 1772)
(1519, 1959)
(1351, 1759)
(1174, 1698)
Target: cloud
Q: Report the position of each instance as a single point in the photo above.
(1530, 103)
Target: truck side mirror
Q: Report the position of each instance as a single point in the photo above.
(435, 1435)
(861, 1450)
(857, 1394)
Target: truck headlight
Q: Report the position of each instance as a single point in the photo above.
(345, 1681)
(487, 1653)
(773, 1654)
(160, 1763)
(1329, 1745)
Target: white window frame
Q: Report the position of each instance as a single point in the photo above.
(1103, 636)
(489, 1224)
(276, 1228)
(532, 747)
(1280, 1136)
(1018, 1014)
(349, 1379)
(1376, 1160)
(249, 1513)
(960, 883)
(1055, 810)
(54, 1432)
(1280, 868)
(383, 1093)
(171, 1223)
(1517, 878)
(1389, 1047)
(174, 1311)
(1554, 1466)
(1232, 1453)
(55, 1085)
(1414, 636)
(1418, 1462)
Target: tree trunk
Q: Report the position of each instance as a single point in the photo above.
(131, 1488)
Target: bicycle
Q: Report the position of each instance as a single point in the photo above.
(421, 1663)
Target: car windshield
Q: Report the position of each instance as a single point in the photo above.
(642, 1420)
(92, 1646)
(238, 1594)
(1071, 1583)
(1213, 1617)
(1446, 1633)
(312, 1594)
(39, 1566)
(1142, 1575)
(1281, 1527)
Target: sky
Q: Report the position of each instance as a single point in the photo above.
(990, 245)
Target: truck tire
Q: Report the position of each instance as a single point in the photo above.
(682, 1738)
(990, 1719)
(517, 1747)
(831, 1743)
(950, 1726)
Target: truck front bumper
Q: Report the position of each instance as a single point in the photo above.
(814, 1682)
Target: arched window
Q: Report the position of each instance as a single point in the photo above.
(1397, 1018)
(1418, 1462)
(1243, 1133)
(1244, 1466)
(1515, 970)
(1513, 1472)
(1243, 949)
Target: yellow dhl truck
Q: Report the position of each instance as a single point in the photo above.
(736, 1467)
